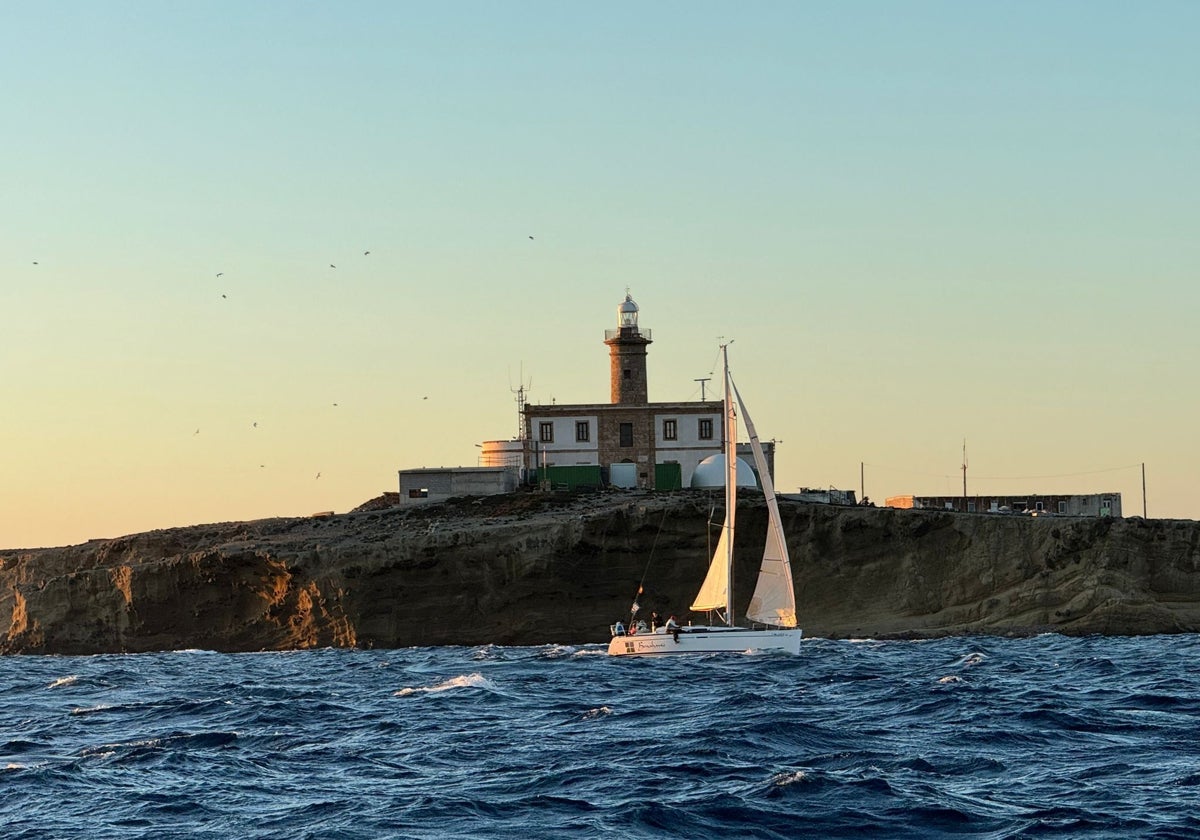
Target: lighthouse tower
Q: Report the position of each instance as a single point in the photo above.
(627, 357)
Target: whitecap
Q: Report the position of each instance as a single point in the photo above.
(105, 750)
(475, 680)
(950, 679)
(783, 779)
(592, 714)
(973, 658)
(91, 710)
(71, 680)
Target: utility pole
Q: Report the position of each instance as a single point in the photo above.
(862, 481)
(1144, 490)
(964, 469)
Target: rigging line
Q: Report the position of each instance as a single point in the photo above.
(911, 472)
(712, 369)
(650, 559)
(1059, 475)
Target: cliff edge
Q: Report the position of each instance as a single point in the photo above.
(534, 569)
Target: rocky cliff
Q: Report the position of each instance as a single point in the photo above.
(532, 569)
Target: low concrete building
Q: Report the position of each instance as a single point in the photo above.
(437, 484)
(1095, 504)
(824, 496)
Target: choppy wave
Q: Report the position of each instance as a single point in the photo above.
(475, 680)
(971, 737)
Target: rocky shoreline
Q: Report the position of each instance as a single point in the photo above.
(529, 568)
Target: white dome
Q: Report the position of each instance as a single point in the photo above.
(711, 473)
(628, 305)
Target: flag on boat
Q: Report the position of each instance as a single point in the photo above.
(636, 606)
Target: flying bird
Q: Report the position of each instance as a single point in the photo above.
(220, 273)
(195, 433)
(365, 253)
(318, 475)
(331, 265)
(255, 425)
(224, 296)
(531, 237)
(35, 262)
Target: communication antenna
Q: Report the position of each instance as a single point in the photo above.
(520, 391)
(964, 469)
(702, 381)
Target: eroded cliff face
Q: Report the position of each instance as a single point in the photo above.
(532, 569)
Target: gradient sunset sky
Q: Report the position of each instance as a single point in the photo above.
(920, 222)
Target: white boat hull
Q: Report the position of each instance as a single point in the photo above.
(706, 640)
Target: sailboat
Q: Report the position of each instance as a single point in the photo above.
(773, 605)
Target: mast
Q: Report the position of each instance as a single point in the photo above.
(730, 485)
(716, 593)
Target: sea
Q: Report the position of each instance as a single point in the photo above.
(1046, 736)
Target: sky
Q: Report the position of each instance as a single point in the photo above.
(920, 223)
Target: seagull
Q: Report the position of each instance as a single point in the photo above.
(331, 265)
(224, 296)
(335, 405)
(195, 433)
(220, 273)
(424, 398)
(318, 475)
(531, 237)
(255, 425)
(35, 262)
(365, 253)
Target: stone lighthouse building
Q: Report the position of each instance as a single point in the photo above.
(628, 441)
(627, 356)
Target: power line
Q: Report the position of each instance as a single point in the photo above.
(1060, 475)
(1006, 477)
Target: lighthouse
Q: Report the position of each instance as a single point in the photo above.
(627, 357)
(628, 442)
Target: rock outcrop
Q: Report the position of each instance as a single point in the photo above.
(533, 569)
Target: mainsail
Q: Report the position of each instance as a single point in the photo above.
(774, 599)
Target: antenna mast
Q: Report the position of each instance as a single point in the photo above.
(964, 469)
(520, 392)
(702, 381)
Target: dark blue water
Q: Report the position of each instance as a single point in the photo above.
(967, 737)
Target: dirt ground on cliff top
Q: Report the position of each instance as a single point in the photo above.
(518, 504)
